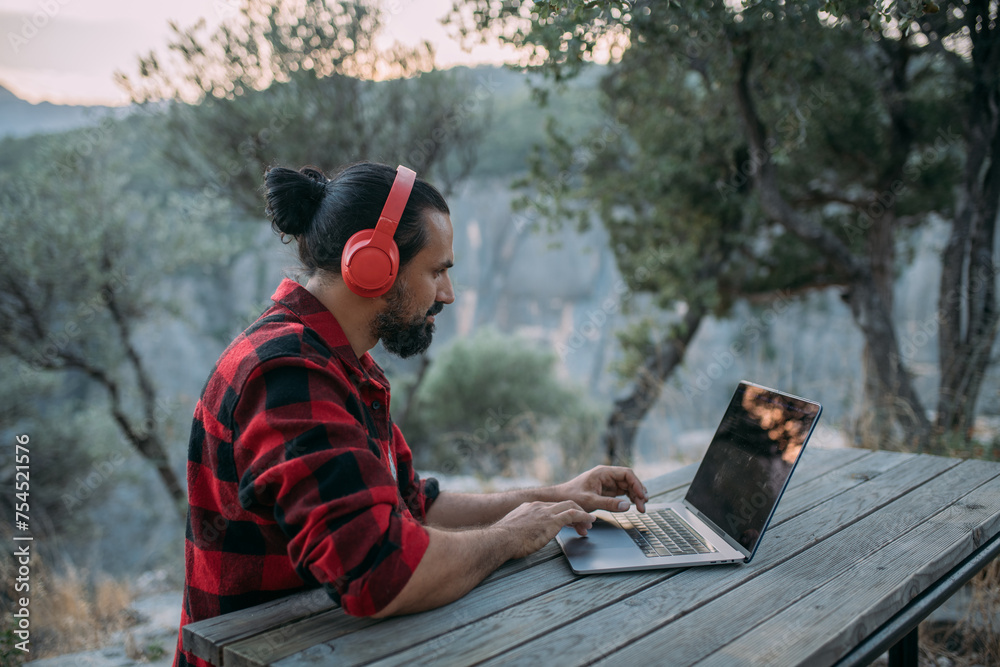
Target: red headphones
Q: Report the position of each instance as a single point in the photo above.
(371, 259)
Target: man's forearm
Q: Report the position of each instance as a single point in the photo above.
(464, 510)
(454, 563)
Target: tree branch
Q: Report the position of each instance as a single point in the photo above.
(772, 202)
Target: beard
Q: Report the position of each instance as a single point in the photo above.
(401, 333)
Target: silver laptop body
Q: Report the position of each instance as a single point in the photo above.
(730, 501)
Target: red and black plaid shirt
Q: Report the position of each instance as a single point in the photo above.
(292, 473)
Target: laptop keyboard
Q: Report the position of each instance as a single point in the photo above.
(662, 533)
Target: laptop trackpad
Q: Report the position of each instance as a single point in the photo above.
(602, 536)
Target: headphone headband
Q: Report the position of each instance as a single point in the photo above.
(395, 203)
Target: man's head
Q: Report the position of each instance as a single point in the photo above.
(322, 214)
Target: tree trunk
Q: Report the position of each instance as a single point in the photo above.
(660, 362)
(882, 402)
(967, 305)
(879, 416)
(864, 296)
(895, 383)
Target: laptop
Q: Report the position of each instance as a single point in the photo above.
(729, 503)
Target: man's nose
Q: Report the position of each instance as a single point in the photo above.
(446, 293)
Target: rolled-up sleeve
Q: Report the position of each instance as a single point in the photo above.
(303, 453)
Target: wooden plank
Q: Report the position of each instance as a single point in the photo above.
(207, 638)
(588, 636)
(864, 597)
(543, 571)
(816, 463)
(541, 616)
(484, 638)
(690, 638)
(341, 631)
(269, 644)
(838, 479)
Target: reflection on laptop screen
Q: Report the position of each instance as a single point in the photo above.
(750, 459)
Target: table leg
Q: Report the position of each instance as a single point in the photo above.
(906, 650)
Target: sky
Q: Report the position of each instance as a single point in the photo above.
(67, 51)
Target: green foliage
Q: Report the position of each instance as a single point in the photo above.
(154, 651)
(518, 123)
(671, 171)
(83, 260)
(76, 458)
(77, 240)
(293, 83)
(9, 655)
(488, 400)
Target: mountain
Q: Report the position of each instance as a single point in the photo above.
(19, 118)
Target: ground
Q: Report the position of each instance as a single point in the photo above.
(154, 636)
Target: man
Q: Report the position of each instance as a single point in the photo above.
(297, 476)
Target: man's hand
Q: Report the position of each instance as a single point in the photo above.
(530, 526)
(601, 487)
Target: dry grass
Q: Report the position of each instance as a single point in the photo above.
(72, 611)
(975, 638)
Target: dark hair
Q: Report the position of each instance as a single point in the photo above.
(322, 214)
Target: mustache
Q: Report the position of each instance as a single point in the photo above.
(436, 308)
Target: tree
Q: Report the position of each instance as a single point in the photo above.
(297, 82)
(82, 256)
(824, 132)
(967, 38)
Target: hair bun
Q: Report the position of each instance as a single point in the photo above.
(293, 197)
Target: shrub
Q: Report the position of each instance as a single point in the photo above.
(489, 404)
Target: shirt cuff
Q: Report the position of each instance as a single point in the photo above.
(430, 489)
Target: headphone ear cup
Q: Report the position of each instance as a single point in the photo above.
(369, 269)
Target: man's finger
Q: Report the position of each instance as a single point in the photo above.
(614, 504)
(626, 480)
(640, 504)
(564, 505)
(577, 516)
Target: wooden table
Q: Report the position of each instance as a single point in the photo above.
(864, 544)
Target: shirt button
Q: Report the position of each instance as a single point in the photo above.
(376, 405)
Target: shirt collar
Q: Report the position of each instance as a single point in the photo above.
(318, 317)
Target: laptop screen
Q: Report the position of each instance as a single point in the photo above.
(750, 459)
